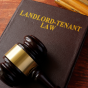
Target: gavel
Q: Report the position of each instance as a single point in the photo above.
(23, 60)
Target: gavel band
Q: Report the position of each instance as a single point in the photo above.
(21, 59)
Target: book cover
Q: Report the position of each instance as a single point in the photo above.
(67, 6)
(84, 1)
(49, 2)
(60, 30)
(76, 4)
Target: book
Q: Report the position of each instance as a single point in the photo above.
(67, 6)
(75, 4)
(60, 30)
(84, 1)
(49, 2)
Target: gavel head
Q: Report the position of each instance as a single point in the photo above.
(21, 59)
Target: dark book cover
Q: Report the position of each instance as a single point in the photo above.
(61, 31)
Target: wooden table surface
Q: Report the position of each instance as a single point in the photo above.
(79, 77)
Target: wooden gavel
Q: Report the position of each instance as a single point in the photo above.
(22, 60)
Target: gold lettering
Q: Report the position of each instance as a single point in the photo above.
(70, 27)
(26, 14)
(58, 22)
(38, 17)
(43, 18)
(66, 25)
(79, 28)
(42, 25)
(52, 21)
(22, 13)
(46, 27)
(52, 27)
(35, 16)
(31, 15)
(75, 27)
(47, 20)
(62, 24)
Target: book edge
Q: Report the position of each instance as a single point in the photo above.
(12, 18)
(76, 58)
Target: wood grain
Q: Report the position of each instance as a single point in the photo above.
(79, 77)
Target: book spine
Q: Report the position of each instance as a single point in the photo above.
(84, 1)
(67, 6)
(83, 8)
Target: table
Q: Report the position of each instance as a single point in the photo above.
(79, 77)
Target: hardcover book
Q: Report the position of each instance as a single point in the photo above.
(60, 30)
(67, 6)
(74, 5)
(84, 1)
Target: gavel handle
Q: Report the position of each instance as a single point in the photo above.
(38, 75)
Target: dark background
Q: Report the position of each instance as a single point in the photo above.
(79, 77)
